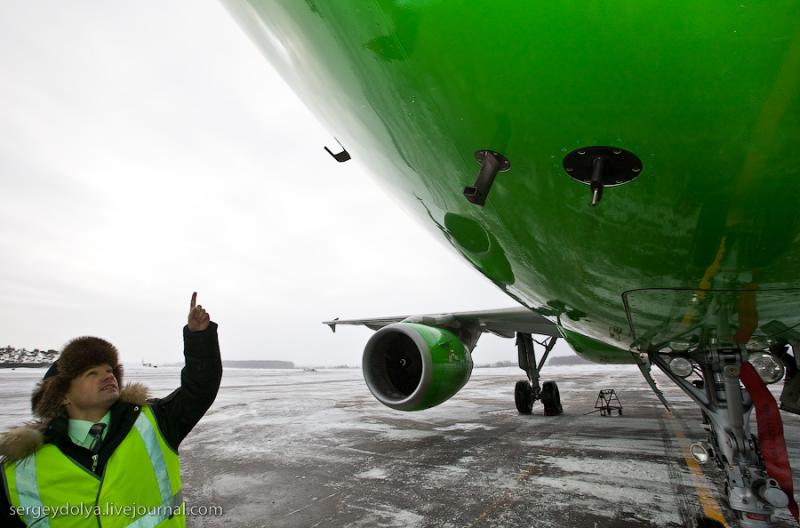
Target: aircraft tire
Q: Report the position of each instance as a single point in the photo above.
(523, 397)
(551, 399)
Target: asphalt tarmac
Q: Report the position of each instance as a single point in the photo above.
(314, 449)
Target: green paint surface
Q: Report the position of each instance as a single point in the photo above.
(705, 93)
(596, 351)
(451, 364)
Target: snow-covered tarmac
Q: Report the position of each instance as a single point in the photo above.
(287, 448)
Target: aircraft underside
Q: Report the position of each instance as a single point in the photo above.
(626, 172)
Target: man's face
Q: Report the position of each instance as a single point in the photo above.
(95, 388)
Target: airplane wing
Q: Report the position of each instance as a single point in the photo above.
(504, 322)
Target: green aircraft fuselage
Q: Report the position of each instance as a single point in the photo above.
(700, 247)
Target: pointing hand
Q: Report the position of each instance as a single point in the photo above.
(198, 317)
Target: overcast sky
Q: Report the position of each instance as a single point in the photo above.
(148, 150)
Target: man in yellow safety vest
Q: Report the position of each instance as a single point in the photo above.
(100, 454)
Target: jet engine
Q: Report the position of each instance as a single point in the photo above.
(411, 366)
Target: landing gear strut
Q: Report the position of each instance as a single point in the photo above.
(726, 407)
(526, 392)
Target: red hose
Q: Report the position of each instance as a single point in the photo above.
(770, 433)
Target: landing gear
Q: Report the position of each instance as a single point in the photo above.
(526, 392)
(523, 397)
(750, 492)
(551, 399)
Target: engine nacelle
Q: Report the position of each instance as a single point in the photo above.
(411, 367)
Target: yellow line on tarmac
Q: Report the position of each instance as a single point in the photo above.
(711, 508)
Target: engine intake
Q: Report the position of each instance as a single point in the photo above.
(411, 367)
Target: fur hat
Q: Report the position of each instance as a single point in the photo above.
(78, 356)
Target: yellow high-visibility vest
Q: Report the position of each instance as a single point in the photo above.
(140, 486)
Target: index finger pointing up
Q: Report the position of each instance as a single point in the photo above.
(194, 301)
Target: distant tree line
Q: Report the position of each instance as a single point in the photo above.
(552, 361)
(11, 357)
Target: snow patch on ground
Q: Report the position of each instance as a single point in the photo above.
(385, 516)
(615, 469)
(465, 427)
(591, 495)
(233, 485)
(608, 444)
(375, 473)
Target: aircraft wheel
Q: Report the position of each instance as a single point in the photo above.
(551, 399)
(523, 397)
